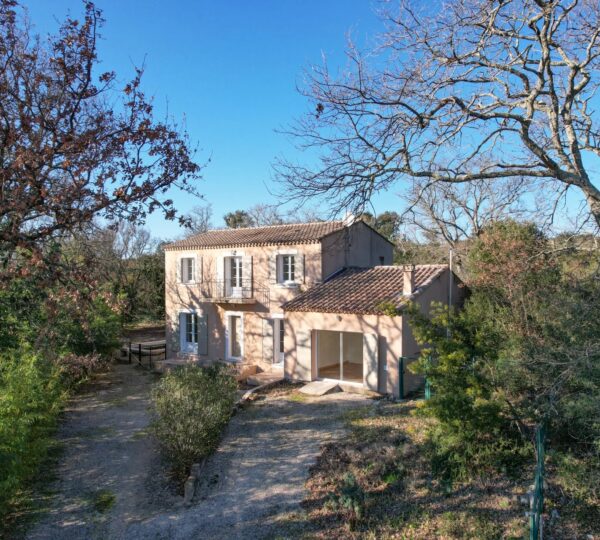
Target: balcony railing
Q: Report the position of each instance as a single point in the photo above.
(234, 292)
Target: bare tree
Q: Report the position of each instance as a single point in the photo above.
(265, 214)
(199, 219)
(452, 213)
(74, 144)
(486, 90)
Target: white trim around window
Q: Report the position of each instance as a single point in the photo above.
(282, 267)
(195, 271)
(232, 317)
(185, 346)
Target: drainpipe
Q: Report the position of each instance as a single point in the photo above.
(450, 286)
(401, 376)
(451, 276)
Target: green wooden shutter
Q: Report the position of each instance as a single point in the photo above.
(202, 334)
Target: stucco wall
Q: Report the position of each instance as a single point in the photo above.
(358, 246)
(393, 342)
(388, 329)
(436, 292)
(181, 297)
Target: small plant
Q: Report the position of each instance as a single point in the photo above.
(351, 498)
(191, 406)
(104, 500)
(76, 368)
(31, 397)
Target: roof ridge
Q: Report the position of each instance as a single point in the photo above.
(253, 227)
(283, 233)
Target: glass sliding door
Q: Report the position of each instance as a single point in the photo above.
(340, 356)
(328, 355)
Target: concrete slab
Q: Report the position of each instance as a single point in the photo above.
(266, 377)
(320, 388)
(355, 389)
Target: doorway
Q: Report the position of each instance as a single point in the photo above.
(278, 341)
(340, 356)
(234, 337)
(233, 277)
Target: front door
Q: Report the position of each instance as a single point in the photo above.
(279, 333)
(233, 275)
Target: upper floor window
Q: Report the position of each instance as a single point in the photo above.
(286, 271)
(188, 269)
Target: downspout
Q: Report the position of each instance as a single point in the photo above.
(451, 276)
(450, 286)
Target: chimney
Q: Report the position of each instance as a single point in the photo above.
(349, 219)
(409, 279)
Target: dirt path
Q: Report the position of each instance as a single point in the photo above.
(110, 473)
(255, 481)
(112, 484)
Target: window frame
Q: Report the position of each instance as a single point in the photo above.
(280, 268)
(228, 343)
(180, 273)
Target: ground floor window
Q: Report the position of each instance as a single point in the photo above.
(340, 355)
(235, 337)
(189, 332)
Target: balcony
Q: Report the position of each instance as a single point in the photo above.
(233, 292)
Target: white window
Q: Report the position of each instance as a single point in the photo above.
(189, 332)
(286, 271)
(187, 269)
(233, 276)
(235, 337)
(191, 328)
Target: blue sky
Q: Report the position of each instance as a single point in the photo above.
(231, 69)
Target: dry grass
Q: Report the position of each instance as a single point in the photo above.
(384, 452)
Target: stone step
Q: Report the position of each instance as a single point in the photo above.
(320, 388)
(264, 378)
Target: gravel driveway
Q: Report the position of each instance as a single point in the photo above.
(110, 472)
(250, 486)
(257, 475)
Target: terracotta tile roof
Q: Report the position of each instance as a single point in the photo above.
(293, 233)
(362, 290)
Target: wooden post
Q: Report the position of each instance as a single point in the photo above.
(129, 351)
(140, 354)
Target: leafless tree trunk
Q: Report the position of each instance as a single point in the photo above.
(452, 213)
(486, 90)
(200, 219)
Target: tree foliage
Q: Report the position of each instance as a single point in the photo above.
(387, 223)
(238, 219)
(192, 405)
(525, 349)
(73, 145)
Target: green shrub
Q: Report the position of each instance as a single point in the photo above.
(191, 406)
(31, 396)
(96, 330)
(350, 498)
(76, 368)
